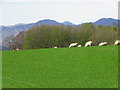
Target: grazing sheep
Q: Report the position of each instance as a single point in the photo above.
(17, 49)
(79, 45)
(102, 44)
(89, 43)
(117, 42)
(55, 47)
(72, 45)
(14, 49)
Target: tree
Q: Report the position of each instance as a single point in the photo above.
(17, 41)
(7, 41)
(46, 36)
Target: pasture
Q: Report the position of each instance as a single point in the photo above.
(84, 67)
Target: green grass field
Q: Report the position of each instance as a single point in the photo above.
(85, 67)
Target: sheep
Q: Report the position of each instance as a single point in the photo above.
(14, 49)
(17, 49)
(55, 47)
(89, 43)
(117, 42)
(102, 44)
(72, 45)
(79, 45)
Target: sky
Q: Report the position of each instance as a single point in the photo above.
(76, 11)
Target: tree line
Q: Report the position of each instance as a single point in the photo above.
(46, 36)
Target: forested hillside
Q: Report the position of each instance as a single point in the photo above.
(46, 36)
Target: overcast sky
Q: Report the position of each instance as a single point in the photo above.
(75, 11)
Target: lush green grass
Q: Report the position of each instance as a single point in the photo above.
(85, 67)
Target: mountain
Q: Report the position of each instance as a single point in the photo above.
(47, 22)
(67, 23)
(3, 48)
(106, 22)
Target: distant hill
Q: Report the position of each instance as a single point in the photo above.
(3, 48)
(106, 22)
(67, 23)
(47, 22)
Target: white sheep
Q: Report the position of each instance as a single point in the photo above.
(89, 43)
(102, 44)
(117, 42)
(72, 45)
(79, 45)
(55, 47)
(17, 49)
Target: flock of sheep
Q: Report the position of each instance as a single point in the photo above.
(89, 43)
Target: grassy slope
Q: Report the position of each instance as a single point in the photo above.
(91, 67)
